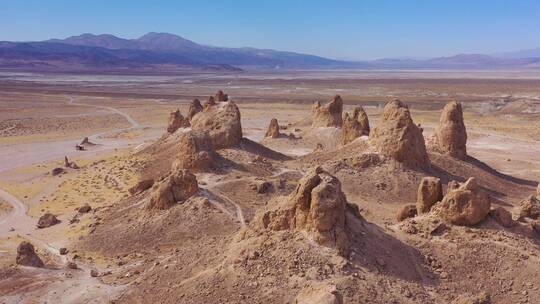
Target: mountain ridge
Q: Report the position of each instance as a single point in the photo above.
(160, 51)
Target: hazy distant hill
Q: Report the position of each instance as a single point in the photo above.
(168, 52)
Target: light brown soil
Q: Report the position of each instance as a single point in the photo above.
(206, 250)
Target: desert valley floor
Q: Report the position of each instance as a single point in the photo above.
(203, 206)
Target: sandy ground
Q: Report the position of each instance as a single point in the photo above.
(123, 114)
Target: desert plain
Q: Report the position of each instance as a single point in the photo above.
(295, 215)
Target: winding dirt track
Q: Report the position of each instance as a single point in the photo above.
(80, 287)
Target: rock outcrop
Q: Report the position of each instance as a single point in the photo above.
(354, 126)
(177, 187)
(318, 206)
(26, 255)
(529, 208)
(194, 108)
(273, 129)
(406, 212)
(176, 121)
(141, 186)
(451, 135)
(465, 205)
(502, 216)
(220, 96)
(47, 220)
(329, 115)
(195, 152)
(210, 102)
(429, 192)
(398, 137)
(222, 123)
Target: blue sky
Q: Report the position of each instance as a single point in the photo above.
(333, 28)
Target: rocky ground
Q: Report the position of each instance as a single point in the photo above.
(400, 201)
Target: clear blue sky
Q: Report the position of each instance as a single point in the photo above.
(333, 28)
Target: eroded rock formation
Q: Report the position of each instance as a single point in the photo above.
(220, 96)
(222, 122)
(354, 126)
(529, 208)
(176, 121)
(194, 108)
(195, 151)
(177, 187)
(465, 205)
(26, 255)
(429, 192)
(398, 137)
(451, 135)
(329, 115)
(317, 206)
(406, 212)
(273, 129)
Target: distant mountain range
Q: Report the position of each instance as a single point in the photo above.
(163, 52)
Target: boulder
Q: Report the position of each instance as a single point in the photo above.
(429, 192)
(406, 212)
(273, 129)
(354, 126)
(222, 123)
(141, 186)
(502, 216)
(220, 96)
(538, 191)
(466, 205)
(57, 171)
(529, 208)
(195, 152)
(84, 208)
(177, 187)
(26, 255)
(329, 115)
(451, 135)
(317, 206)
(319, 293)
(47, 220)
(176, 121)
(397, 137)
(194, 108)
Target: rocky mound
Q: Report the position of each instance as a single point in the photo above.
(317, 206)
(396, 136)
(273, 129)
(429, 193)
(176, 121)
(194, 108)
(177, 187)
(26, 255)
(465, 204)
(451, 135)
(195, 151)
(47, 220)
(354, 126)
(329, 115)
(222, 122)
